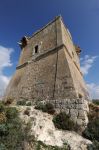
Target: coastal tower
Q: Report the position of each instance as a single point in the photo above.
(48, 67)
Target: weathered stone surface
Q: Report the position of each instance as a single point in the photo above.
(81, 114)
(79, 122)
(67, 111)
(48, 67)
(77, 111)
(74, 112)
(79, 106)
(44, 130)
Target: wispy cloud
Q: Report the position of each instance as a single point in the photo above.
(93, 90)
(5, 61)
(87, 63)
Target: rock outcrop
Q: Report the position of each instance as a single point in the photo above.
(43, 129)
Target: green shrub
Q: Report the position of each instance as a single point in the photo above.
(21, 102)
(96, 145)
(40, 146)
(92, 130)
(2, 109)
(2, 147)
(24, 102)
(11, 113)
(3, 130)
(2, 113)
(48, 107)
(15, 135)
(28, 103)
(11, 132)
(29, 138)
(39, 106)
(96, 101)
(63, 121)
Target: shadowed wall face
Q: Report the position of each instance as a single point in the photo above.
(48, 67)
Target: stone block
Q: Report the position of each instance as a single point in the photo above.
(79, 106)
(79, 122)
(71, 106)
(67, 111)
(74, 112)
(79, 101)
(86, 106)
(81, 114)
(74, 119)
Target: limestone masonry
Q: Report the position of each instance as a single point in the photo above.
(48, 67)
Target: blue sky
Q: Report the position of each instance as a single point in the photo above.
(23, 17)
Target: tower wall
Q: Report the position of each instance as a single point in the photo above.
(53, 72)
(47, 39)
(73, 63)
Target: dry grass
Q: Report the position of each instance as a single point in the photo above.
(94, 111)
(9, 101)
(2, 117)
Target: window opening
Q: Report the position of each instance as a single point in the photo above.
(36, 49)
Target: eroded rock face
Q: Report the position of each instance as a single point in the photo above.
(44, 130)
(77, 109)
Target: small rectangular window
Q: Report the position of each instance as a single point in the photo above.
(36, 49)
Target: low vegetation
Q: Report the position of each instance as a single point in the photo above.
(13, 135)
(24, 103)
(48, 107)
(9, 101)
(63, 121)
(92, 130)
(28, 103)
(42, 146)
(96, 101)
(11, 132)
(21, 102)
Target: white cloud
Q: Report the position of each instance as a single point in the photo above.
(5, 61)
(93, 90)
(86, 63)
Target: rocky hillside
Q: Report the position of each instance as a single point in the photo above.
(27, 128)
(43, 129)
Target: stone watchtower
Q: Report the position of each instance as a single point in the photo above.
(48, 67)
